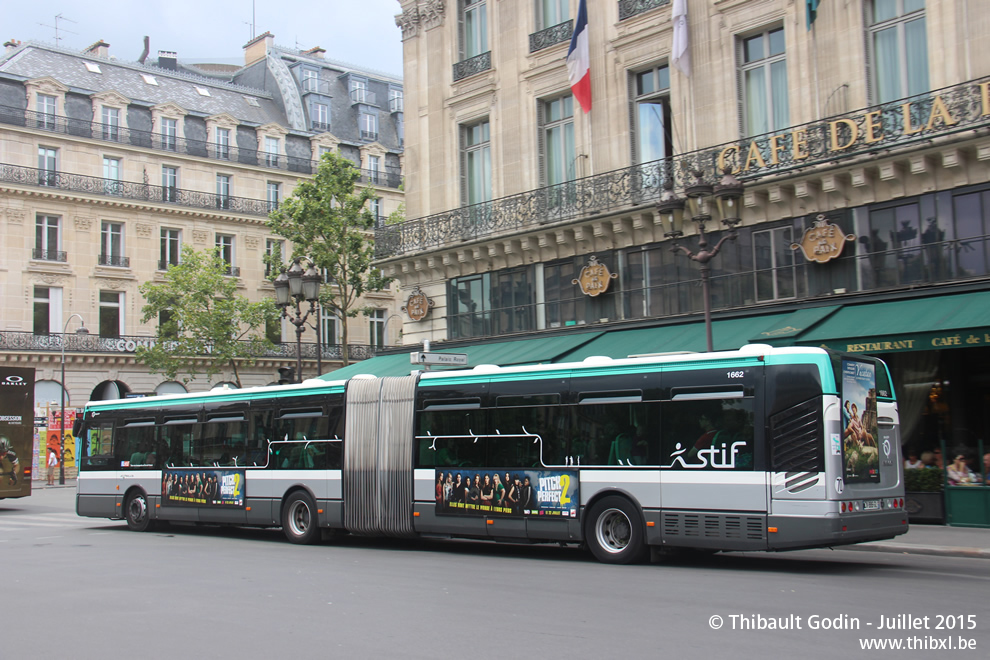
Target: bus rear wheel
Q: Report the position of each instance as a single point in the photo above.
(137, 513)
(299, 519)
(615, 531)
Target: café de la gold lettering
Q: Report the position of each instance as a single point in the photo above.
(845, 133)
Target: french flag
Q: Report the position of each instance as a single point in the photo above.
(579, 61)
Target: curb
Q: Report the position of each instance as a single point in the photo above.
(912, 549)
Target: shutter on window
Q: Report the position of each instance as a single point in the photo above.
(541, 143)
(633, 128)
(868, 56)
(740, 89)
(462, 150)
(461, 37)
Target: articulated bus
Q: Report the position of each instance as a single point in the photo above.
(758, 449)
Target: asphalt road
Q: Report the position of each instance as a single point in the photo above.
(90, 589)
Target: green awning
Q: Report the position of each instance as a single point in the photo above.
(923, 324)
(535, 350)
(788, 326)
(728, 334)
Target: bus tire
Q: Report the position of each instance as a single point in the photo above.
(614, 531)
(300, 523)
(137, 513)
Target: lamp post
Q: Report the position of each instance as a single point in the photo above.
(671, 208)
(291, 288)
(81, 330)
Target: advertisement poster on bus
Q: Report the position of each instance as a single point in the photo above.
(203, 487)
(511, 493)
(860, 435)
(16, 431)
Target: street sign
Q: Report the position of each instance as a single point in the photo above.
(450, 359)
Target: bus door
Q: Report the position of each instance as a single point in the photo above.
(712, 468)
(97, 493)
(135, 450)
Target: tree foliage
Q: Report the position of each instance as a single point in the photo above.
(207, 324)
(327, 221)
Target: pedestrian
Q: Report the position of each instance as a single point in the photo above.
(52, 464)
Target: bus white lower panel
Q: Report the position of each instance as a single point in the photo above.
(642, 485)
(713, 490)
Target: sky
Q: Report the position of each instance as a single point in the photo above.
(359, 32)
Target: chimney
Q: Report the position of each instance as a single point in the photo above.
(257, 48)
(100, 49)
(12, 45)
(315, 52)
(167, 59)
(147, 49)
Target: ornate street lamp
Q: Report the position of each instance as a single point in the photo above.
(81, 330)
(291, 288)
(700, 198)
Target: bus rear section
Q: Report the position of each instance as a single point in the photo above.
(836, 471)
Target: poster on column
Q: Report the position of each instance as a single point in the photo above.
(860, 444)
(16, 431)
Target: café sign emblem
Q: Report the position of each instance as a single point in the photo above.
(594, 278)
(823, 241)
(418, 305)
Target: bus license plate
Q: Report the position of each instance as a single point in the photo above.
(871, 505)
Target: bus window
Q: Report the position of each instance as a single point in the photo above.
(616, 433)
(99, 454)
(450, 435)
(525, 434)
(182, 437)
(711, 433)
(134, 444)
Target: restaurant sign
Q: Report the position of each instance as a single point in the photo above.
(822, 241)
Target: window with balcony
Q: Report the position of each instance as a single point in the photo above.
(274, 253)
(223, 143)
(171, 248)
(763, 73)
(773, 261)
(557, 133)
(274, 191)
(376, 329)
(47, 166)
(551, 12)
(474, 28)
(650, 99)
(374, 169)
(476, 163)
(167, 327)
(271, 151)
(223, 191)
(898, 48)
(375, 206)
(395, 100)
(111, 123)
(359, 90)
(225, 248)
(111, 176)
(310, 80)
(170, 183)
(369, 126)
(47, 310)
(112, 245)
(48, 238)
(111, 313)
(170, 133)
(329, 327)
(47, 107)
(321, 117)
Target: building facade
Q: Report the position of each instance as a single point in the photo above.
(860, 133)
(109, 168)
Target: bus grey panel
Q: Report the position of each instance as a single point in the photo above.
(641, 485)
(802, 486)
(712, 529)
(713, 490)
(97, 506)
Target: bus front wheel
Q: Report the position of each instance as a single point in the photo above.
(299, 519)
(137, 513)
(615, 531)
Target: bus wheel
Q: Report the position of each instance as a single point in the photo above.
(615, 532)
(299, 521)
(137, 513)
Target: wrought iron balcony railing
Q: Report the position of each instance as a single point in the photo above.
(369, 135)
(76, 343)
(395, 104)
(144, 192)
(862, 133)
(49, 255)
(149, 140)
(114, 260)
(630, 8)
(163, 265)
(362, 95)
(472, 65)
(555, 34)
(233, 271)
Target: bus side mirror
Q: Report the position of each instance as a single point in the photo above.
(76, 427)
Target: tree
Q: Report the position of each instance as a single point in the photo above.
(327, 221)
(203, 320)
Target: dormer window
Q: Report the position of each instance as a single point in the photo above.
(202, 90)
(149, 79)
(92, 67)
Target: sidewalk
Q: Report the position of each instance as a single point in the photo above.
(940, 540)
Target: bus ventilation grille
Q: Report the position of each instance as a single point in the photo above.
(797, 442)
(795, 482)
(713, 526)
